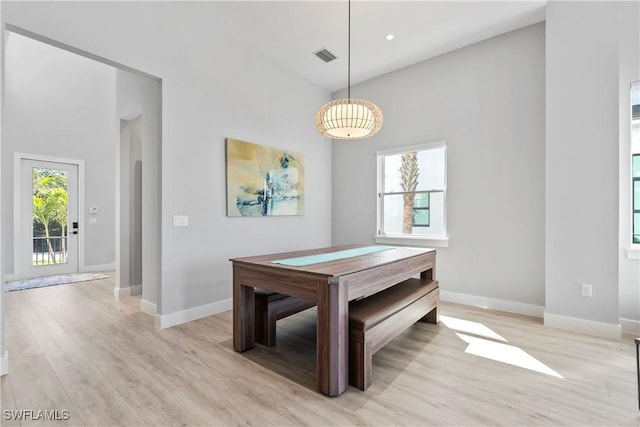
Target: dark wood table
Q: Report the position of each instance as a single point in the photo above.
(331, 285)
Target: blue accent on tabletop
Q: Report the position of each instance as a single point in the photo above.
(330, 256)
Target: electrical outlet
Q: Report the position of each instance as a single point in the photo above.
(180, 221)
(587, 290)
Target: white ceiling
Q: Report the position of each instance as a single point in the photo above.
(290, 31)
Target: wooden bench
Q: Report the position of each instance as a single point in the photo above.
(271, 307)
(376, 320)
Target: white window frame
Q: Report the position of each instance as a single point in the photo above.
(381, 237)
(633, 251)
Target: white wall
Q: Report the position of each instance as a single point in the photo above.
(4, 362)
(61, 105)
(487, 101)
(582, 159)
(212, 87)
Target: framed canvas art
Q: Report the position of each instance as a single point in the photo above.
(263, 181)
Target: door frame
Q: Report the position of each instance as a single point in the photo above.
(17, 218)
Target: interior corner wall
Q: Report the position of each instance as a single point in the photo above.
(582, 125)
(59, 104)
(140, 98)
(487, 101)
(213, 87)
(135, 200)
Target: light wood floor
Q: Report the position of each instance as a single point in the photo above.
(76, 348)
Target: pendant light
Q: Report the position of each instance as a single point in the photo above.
(349, 118)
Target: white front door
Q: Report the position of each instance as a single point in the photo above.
(49, 218)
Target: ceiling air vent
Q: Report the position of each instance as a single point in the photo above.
(325, 55)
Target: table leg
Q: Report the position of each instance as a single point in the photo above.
(332, 339)
(429, 274)
(243, 314)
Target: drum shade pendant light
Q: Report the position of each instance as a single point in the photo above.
(349, 118)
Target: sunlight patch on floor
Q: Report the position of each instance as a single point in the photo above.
(484, 342)
(505, 353)
(469, 327)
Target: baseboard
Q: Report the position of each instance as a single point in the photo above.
(148, 307)
(493, 303)
(121, 292)
(4, 364)
(97, 267)
(136, 290)
(152, 310)
(10, 277)
(184, 316)
(599, 329)
(630, 326)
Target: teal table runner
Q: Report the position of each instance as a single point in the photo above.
(330, 256)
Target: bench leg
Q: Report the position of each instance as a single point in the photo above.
(430, 317)
(265, 327)
(360, 363)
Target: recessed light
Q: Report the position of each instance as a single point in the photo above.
(389, 37)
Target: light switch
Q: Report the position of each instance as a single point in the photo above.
(180, 220)
(93, 210)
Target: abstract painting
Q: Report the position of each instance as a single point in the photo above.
(263, 181)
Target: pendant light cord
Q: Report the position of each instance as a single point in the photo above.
(349, 56)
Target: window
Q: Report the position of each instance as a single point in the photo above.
(412, 193)
(635, 173)
(635, 163)
(421, 214)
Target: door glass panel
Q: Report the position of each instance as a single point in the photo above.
(50, 211)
